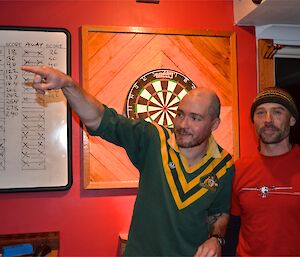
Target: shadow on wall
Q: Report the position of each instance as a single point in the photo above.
(287, 73)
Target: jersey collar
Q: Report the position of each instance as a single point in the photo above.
(213, 149)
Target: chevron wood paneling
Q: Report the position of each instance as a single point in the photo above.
(114, 58)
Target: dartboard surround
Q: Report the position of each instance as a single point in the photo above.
(155, 96)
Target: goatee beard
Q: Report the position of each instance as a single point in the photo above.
(277, 138)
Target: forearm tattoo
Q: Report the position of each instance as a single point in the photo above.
(212, 219)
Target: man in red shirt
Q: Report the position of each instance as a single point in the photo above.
(266, 188)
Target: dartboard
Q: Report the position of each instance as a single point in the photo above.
(155, 95)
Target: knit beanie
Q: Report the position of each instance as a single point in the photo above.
(275, 95)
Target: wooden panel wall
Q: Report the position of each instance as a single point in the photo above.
(266, 63)
(114, 57)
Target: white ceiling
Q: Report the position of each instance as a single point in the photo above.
(248, 13)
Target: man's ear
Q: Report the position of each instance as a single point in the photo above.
(292, 121)
(215, 124)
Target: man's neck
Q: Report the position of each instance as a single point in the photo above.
(275, 149)
(194, 154)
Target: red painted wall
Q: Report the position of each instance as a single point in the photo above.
(90, 221)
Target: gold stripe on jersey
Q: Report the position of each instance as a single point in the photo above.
(187, 186)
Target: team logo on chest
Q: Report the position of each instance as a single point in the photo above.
(265, 191)
(209, 182)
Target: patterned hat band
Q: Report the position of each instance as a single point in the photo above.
(275, 95)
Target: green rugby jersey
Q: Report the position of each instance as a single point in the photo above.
(173, 200)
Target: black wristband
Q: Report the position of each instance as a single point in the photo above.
(220, 239)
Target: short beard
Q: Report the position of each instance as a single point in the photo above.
(280, 137)
(277, 139)
(190, 144)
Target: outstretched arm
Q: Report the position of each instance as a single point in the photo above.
(217, 226)
(89, 110)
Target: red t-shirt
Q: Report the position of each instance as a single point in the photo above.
(266, 195)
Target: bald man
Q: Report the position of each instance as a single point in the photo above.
(183, 199)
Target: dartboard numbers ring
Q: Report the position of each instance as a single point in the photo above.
(154, 96)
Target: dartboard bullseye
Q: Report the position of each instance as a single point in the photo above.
(155, 96)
